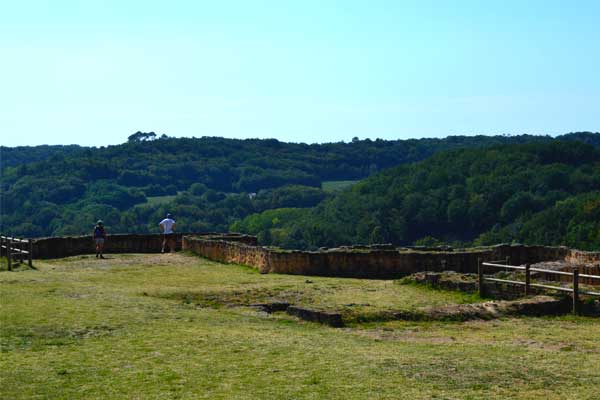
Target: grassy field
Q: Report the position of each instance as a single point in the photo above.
(334, 186)
(156, 200)
(175, 326)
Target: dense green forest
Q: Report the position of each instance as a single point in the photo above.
(542, 193)
(12, 156)
(204, 181)
(216, 184)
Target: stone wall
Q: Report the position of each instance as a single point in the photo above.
(584, 269)
(363, 262)
(57, 247)
(376, 262)
(451, 280)
(583, 257)
(587, 262)
(225, 251)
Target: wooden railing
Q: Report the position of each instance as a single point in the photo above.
(16, 250)
(575, 275)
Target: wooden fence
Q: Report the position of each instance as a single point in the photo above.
(16, 250)
(527, 269)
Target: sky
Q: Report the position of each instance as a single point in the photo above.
(94, 72)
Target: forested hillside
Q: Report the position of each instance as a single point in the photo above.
(207, 183)
(541, 193)
(12, 156)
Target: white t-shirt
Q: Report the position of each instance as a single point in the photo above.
(167, 225)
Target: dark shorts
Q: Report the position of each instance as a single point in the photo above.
(169, 236)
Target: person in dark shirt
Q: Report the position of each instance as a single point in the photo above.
(99, 236)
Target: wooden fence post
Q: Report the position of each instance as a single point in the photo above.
(527, 279)
(576, 290)
(9, 253)
(17, 248)
(480, 277)
(22, 254)
(16, 254)
(30, 254)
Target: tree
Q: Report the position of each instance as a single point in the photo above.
(141, 136)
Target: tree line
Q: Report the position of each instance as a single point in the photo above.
(217, 184)
(540, 193)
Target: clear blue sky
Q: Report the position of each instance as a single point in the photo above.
(93, 72)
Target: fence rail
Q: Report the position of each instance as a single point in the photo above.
(575, 291)
(14, 248)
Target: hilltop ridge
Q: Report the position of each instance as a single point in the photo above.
(209, 183)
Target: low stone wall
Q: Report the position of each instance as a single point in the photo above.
(225, 251)
(584, 269)
(58, 247)
(364, 262)
(451, 280)
(376, 262)
(583, 257)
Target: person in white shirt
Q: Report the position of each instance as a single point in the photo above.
(167, 227)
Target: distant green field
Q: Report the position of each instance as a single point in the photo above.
(156, 200)
(334, 186)
(175, 326)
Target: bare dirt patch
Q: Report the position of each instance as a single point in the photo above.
(123, 260)
(49, 335)
(403, 335)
